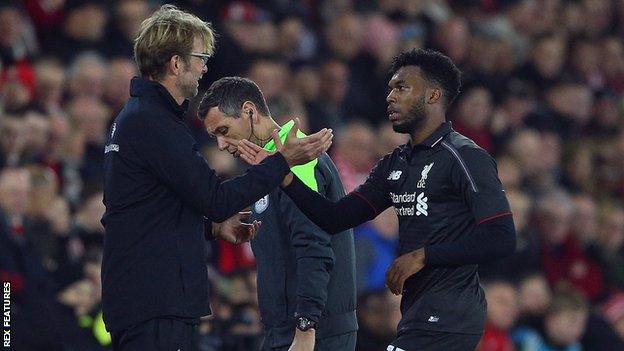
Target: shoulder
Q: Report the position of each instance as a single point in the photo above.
(393, 156)
(464, 149)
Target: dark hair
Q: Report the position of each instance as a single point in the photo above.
(229, 94)
(436, 68)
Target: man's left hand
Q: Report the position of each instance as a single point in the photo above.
(402, 268)
(303, 341)
(235, 229)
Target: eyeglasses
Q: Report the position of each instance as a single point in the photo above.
(204, 57)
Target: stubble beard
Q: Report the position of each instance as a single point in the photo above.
(188, 85)
(415, 120)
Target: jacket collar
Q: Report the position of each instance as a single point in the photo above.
(430, 141)
(140, 86)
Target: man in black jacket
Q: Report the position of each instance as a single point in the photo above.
(306, 277)
(453, 212)
(161, 195)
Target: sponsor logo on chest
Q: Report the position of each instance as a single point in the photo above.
(408, 203)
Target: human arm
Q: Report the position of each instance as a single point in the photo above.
(489, 241)
(475, 178)
(359, 206)
(171, 155)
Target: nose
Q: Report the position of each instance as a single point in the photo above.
(221, 144)
(391, 98)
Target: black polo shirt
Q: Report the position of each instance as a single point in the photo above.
(440, 189)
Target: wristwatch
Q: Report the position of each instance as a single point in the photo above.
(305, 324)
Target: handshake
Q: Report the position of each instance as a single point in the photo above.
(296, 151)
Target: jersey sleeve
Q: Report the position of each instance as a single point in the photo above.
(475, 176)
(375, 190)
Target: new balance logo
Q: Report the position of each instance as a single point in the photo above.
(433, 319)
(395, 175)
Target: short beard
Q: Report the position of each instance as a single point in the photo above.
(416, 118)
(189, 90)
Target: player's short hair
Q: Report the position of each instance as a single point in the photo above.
(229, 94)
(436, 68)
(168, 32)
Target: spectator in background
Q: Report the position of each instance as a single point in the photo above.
(547, 61)
(18, 44)
(611, 236)
(378, 316)
(612, 62)
(49, 86)
(563, 259)
(388, 139)
(376, 245)
(452, 36)
(329, 109)
(295, 42)
(83, 29)
(355, 153)
(473, 114)
(538, 164)
(535, 296)
(613, 311)
(562, 328)
(90, 118)
(567, 112)
(87, 74)
(117, 83)
(584, 226)
(502, 299)
(126, 19)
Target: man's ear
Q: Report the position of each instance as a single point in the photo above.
(249, 110)
(175, 64)
(434, 95)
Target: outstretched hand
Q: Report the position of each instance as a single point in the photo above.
(252, 153)
(236, 230)
(295, 150)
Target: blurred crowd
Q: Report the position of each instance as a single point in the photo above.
(543, 91)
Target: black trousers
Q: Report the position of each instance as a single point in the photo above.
(342, 342)
(424, 340)
(162, 334)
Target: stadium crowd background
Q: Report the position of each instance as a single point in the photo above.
(543, 91)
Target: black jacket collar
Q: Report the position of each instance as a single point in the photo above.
(432, 140)
(140, 86)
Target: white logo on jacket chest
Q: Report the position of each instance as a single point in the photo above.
(395, 175)
(261, 204)
(423, 175)
(408, 204)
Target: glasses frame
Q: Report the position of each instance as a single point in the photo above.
(204, 57)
